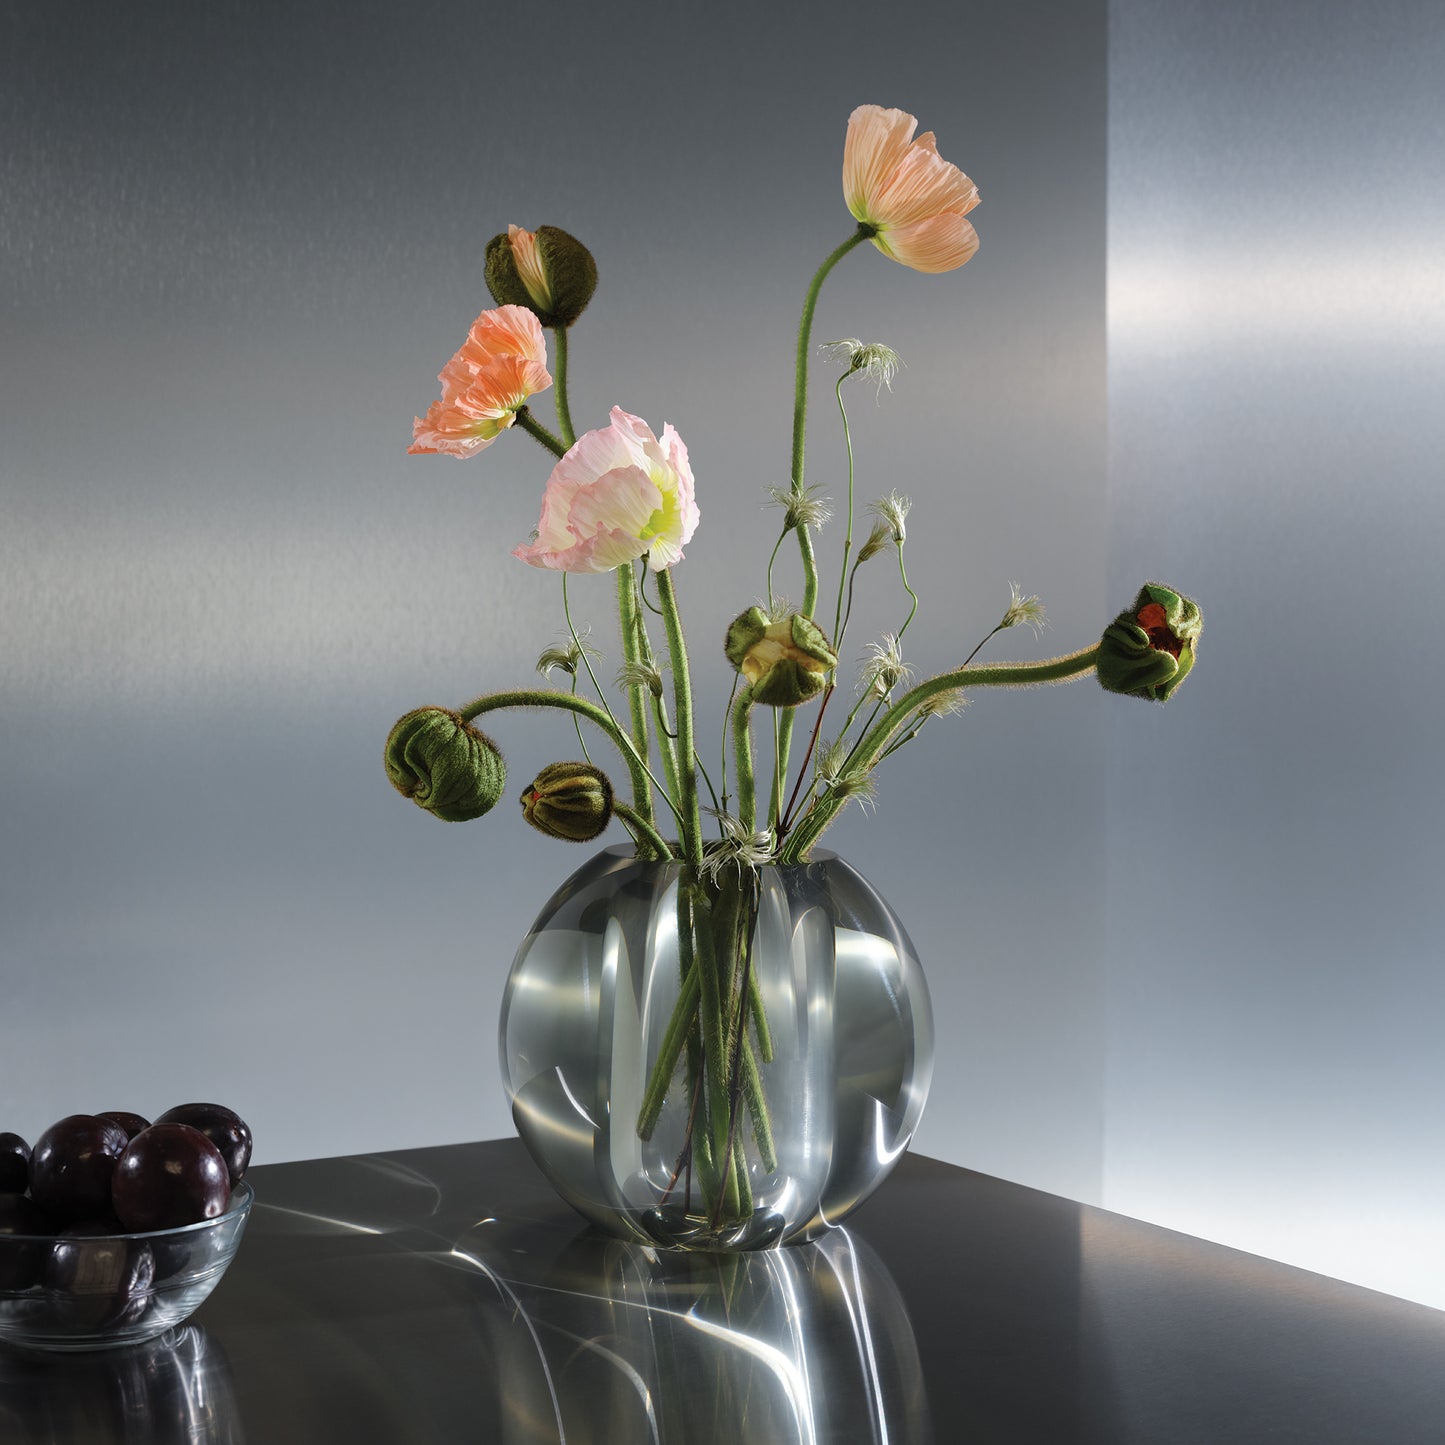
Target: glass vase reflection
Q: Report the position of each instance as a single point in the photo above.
(726, 1063)
(608, 1341)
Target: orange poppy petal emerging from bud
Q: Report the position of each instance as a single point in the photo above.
(914, 200)
(529, 266)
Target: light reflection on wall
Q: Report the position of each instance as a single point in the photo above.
(1277, 329)
(1395, 299)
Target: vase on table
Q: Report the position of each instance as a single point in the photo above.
(721, 1062)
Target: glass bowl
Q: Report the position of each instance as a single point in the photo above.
(94, 1292)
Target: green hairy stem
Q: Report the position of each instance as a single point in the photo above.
(559, 381)
(639, 824)
(800, 429)
(570, 702)
(743, 759)
(689, 814)
(627, 621)
(534, 428)
(875, 742)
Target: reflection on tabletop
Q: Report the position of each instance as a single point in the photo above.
(606, 1341)
(545, 1330)
(374, 1302)
(173, 1390)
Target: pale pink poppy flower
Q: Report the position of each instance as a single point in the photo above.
(619, 493)
(915, 200)
(502, 362)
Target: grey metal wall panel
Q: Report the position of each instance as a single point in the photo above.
(1276, 332)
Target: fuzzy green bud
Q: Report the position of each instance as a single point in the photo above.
(572, 801)
(445, 765)
(1149, 650)
(548, 271)
(785, 663)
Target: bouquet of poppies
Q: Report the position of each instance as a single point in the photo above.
(621, 500)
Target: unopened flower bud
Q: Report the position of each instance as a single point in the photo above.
(1149, 650)
(572, 801)
(445, 765)
(549, 272)
(785, 662)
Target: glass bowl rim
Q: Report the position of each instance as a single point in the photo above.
(242, 1197)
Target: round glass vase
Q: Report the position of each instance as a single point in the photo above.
(718, 1063)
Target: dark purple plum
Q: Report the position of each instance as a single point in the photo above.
(225, 1128)
(109, 1279)
(169, 1175)
(20, 1258)
(21, 1215)
(14, 1164)
(131, 1123)
(189, 1251)
(71, 1166)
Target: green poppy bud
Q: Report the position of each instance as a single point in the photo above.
(549, 272)
(572, 801)
(445, 765)
(786, 662)
(1149, 650)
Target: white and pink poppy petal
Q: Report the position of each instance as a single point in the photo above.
(607, 449)
(622, 501)
(616, 495)
(604, 552)
(636, 432)
(676, 450)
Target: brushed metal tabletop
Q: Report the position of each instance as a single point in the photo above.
(447, 1295)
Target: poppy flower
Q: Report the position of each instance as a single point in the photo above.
(502, 362)
(914, 200)
(618, 494)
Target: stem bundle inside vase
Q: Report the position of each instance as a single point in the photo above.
(713, 1053)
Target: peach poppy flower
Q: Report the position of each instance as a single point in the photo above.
(502, 362)
(914, 199)
(617, 494)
